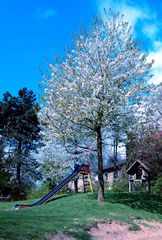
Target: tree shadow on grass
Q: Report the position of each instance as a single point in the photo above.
(145, 201)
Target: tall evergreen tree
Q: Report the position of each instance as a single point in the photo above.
(20, 129)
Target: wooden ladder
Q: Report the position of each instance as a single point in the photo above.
(87, 183)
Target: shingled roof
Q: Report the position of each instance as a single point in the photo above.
(133, 168)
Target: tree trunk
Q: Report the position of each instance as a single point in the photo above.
(18, 169)
(76, 161)
(115, 158)
(100, 166)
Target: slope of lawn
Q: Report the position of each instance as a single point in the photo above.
(74, 214)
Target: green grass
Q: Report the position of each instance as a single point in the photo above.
(74, 214)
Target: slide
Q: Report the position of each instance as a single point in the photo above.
(78, 169)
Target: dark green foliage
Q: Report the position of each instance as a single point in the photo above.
(4, 175)
(157, 188)
(38, 193)
(4, 180)
(121, 185)
(19, 121)
(20, 133)
(147, 147)
(139, 187)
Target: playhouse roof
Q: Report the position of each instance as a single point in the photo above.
(133, 168)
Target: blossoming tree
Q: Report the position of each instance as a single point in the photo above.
(102, 78)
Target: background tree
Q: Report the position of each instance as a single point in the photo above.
(101, 79)
(59, 156)
(20, 130)
(4, 175)
(146, 138)
(153, 107)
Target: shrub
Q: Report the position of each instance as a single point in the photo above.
(139, 187)
(38, 192)
(121, 185)
(157, 187)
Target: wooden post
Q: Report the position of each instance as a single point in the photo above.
(83, 184)
(130, 184)
(149, 185)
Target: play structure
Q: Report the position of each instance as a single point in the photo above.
(79, 169)
(139, 176)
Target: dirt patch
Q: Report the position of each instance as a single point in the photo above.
(138, 230)
(58, 236)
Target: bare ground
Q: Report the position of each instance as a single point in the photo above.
(58, 236)
(139, 230)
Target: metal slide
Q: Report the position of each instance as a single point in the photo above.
(77, 170)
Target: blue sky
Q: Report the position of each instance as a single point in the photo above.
(32, 32)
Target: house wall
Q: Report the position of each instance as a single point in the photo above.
(111, 176)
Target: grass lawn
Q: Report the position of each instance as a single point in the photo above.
(74, 214)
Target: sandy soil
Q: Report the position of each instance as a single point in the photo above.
(148, 230)
(145, 230)
(58, 236)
